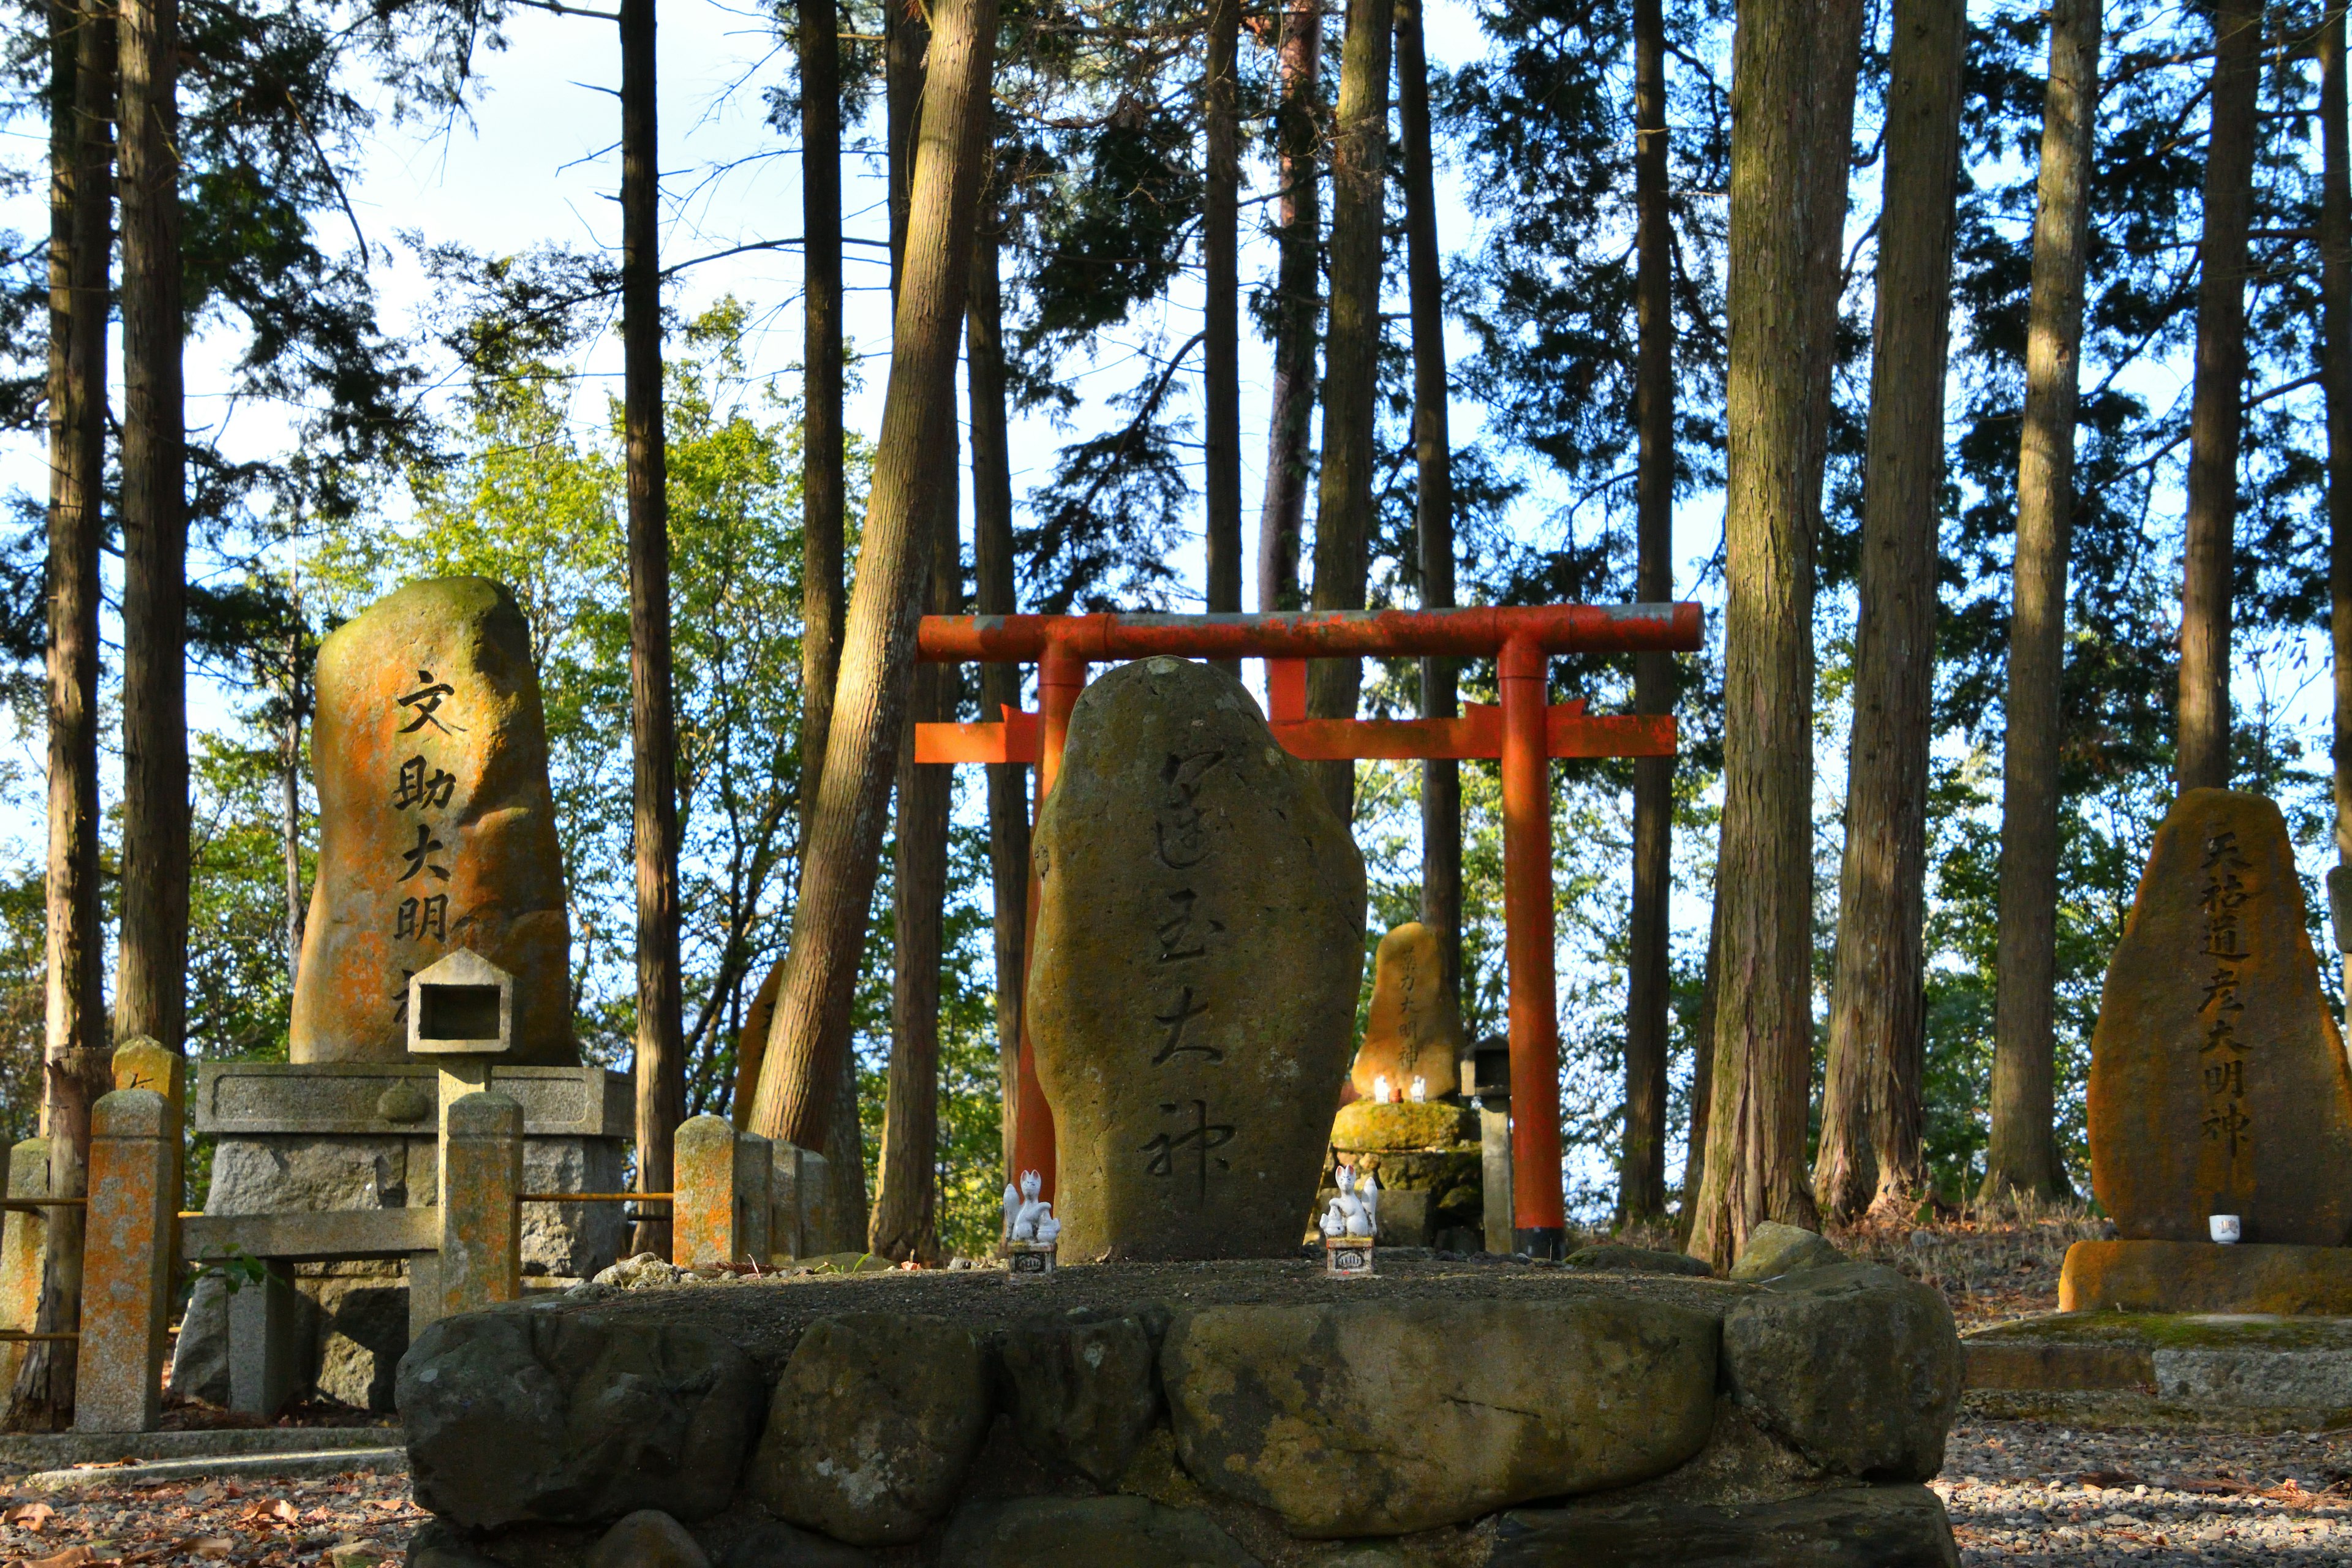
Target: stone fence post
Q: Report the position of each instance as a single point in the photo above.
(24, 1233)
(722, 1182)
(481, 1216)
(126, 1266)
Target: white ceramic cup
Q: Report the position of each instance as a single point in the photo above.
(2226, 1227)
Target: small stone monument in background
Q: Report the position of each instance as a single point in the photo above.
(2218, 1084)
(1192, 992)
(1415, 1027)
(438, 861)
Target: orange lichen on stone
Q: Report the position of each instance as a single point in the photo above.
(2191, 1276)
(1415, 1027)
(437, 825)
(2218, 1078)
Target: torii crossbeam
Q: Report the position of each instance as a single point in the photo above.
(1524, 732)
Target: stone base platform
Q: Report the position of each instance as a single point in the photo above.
(1256, 1415)
(2209, 1371)
(2202, 1276)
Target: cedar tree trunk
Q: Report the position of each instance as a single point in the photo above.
(1298, 219)
(1793, 66)
(2021, 1154)
(1343, 502)
(1870, 1150)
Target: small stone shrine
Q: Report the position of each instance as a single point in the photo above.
(436, 838)
(1424, 1152)
(1198, 954)
(1415, 1027)
(2218, 1084)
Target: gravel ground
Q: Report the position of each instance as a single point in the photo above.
(358, 1521)
(2027, 1492)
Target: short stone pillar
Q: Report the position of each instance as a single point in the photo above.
(23, 1236)
(264, 1363)
(815, 1204)
(126, 1265)
(141, 1063)
(723, 1181)
(481, 1217)
(1495, 1173)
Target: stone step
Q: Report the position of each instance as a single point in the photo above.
(2170, 1368)
(271, 1467)
(22, 1451)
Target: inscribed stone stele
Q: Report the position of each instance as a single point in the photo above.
(1192, 992)
(1414, 1030)
(2218, 1078)
(437, 825)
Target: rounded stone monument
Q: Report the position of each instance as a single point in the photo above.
(437, 826)
(1192, 992)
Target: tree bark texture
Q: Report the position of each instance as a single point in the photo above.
(1702, 1075)
(810, 1033)
(150, 971)
(2022, 1153)
(2216, 410)
(1869, 1151)
(1000, 684)
(1297, 285)
(1432, 450)
(1343, 502)
(906, 1200)
(652, 724)
(822, 503)
(1649, 982)
(1793, 66)
(2336, 336)
(81, 109)
(1220, 265)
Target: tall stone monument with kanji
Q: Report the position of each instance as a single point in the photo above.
(1192, 993)
(2218, 1084)
(436, 838)
(437, 825)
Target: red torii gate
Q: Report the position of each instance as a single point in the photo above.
(1524, 732)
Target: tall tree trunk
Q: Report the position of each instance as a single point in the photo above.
(82, 106)
(2336, 334)
(2021, 1154)
(1298, 220)
(1702, 1074)
(1221, 263)
(652, 726)
(821, 395)
(1870, 1150)
(1649, 988)
(2216, 412)
(151, 976)
(1793, 65)
(810, 1033)
(1432, 450)
(905, 1199)
(1000, 684)
(1343, 502)
(289, 798)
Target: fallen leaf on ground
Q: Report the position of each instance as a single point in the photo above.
(71, 1557)
(30, 1516)
(214, 1547)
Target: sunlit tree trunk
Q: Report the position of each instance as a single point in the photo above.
(2335, 331)
(2022, 1153)
(1793, 66)
(1343, 502)
(1702, 1077)
(660, 1043)
(1642, 1169)
(151, 974)
(81, 108)
(1000, 684)
(2216, 412)
(1220, 258)
(1870, 1150)
(810, 1033)
(1298, 217)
